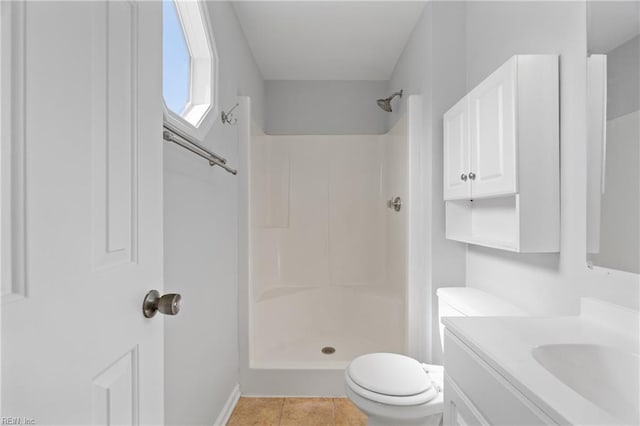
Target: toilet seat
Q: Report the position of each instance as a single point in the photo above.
(392, 379)
(421, 398)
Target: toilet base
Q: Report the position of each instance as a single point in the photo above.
(428, 414)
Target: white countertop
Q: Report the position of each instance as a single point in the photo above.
(505, 343)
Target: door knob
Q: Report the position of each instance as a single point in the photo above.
(472, 176)
(463, 177)
(169, 304)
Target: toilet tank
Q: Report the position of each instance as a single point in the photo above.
(471, 302)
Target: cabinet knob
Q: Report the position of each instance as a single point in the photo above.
(472, 176)
(463, 177)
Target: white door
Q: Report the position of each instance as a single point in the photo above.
(493, 134)
(456, 152)
(85, 212)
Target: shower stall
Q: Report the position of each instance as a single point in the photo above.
(328, 231)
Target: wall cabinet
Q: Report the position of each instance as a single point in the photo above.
(501, 159)
(457, 158)
(480, 142)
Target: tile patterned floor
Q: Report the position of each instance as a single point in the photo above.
(296, 412)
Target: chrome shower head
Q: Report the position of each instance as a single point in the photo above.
(385, 103)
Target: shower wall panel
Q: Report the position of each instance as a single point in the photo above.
(317, 215)
(395, 177)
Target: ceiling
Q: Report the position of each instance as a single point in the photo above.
(612, 23)
(327, 40)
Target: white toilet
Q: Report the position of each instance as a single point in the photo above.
(394, 389)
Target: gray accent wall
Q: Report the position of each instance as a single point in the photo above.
(295, 107)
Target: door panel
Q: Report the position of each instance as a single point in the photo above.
(115, 392)
(115, 139)
(456, 152)
(76, 349)
(493, 138)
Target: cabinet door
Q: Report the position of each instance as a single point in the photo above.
(492, 108)
(458, 409)
(456, 152)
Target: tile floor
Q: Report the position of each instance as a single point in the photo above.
(296, 412)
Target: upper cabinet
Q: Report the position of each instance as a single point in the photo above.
(501, 158)
(457, 158)
(492, 136)
(480, 139)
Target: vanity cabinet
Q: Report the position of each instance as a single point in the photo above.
(476, 394)
(501, 159)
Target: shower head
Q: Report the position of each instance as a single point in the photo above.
(385, 103)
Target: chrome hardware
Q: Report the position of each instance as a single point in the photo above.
(385, 103)
(395, 203)
(472, 176)
(463, 177)
(169, 304)
(179, 138)
(227, 117)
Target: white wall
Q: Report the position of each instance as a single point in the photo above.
(200, 214)
(544, 284)
(325, 107)
(453, 47)
(432, 64)
(623, 84)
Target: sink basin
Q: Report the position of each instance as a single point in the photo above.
(606, 376)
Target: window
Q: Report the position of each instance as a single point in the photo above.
(189, 66)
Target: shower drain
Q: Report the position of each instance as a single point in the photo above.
(328, 350)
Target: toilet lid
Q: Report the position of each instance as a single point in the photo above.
(389, 374)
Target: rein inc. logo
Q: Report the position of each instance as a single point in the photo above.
(17, 421)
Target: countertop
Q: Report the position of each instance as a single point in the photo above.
(505, 343)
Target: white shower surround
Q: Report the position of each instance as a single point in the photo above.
(328, 259)
(348, 281)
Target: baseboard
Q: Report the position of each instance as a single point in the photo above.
(225, 414)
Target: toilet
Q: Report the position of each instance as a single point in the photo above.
(394, 389)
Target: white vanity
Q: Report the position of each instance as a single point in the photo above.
(553, 370)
